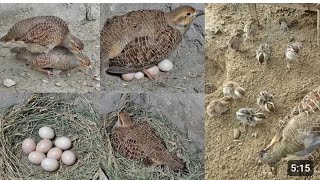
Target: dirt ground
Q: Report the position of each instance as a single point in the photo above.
(83, 21)
(188, 59)
(227, 158)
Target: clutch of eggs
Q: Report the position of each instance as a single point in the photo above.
(45, 154)
(165, 66)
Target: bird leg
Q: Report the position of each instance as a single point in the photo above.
(160, 77)
(48, 72)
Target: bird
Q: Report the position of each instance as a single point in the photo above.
(137, 140)
(237, 40)
(57, 58)
(264, 101)
(251, 29)
(293, 52)
(43, 33)
(263, 53)
(299, 137)
(219, 106)
(248, 116)
(141, 39)
(233, 90)
(285, 23)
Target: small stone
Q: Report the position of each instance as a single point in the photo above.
(9, 82)
(236, 133)
(254, 135)
(58, 84)
(45, 81)
(97, 78)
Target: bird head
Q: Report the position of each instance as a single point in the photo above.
(74, 44)
(183, 16)
(83, 59)
(124, 120)
(272, 153)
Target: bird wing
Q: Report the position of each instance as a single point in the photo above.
(146, 51)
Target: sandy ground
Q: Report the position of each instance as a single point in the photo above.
(77, 80)
(225, 157)
(188, 59)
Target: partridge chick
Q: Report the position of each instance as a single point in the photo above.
(233, 90)
(293, 52)
(248, 116)
(263, 53)
(237, 40)
(264, 101)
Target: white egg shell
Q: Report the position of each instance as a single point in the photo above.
(138, 75)
(28, 145)
(54, 153)
(50, 164)
(36, 157)
(68, 158)
(63, 142)
(46, 133)
(128, 77)
(44, 145)
(165, 65)
(154, 70)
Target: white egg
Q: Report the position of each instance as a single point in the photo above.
(68, 158)
(63, 142)
(138, 75)
(36, 157)
(55, 153)
(44, 145)
(154, 70)
(28, 145)
(46, 133)
(128, 77)
(165, 65)
(50, 164)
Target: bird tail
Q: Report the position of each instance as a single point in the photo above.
(8, 37)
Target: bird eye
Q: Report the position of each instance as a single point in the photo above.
(188, 14)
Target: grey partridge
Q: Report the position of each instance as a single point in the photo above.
(43, 33)
(300, 137)
(140, 39)
(137, 140)
(57, 58)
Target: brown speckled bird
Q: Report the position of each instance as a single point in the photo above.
(137, 140)
(43, 33)
(300, 137)
(140, 39)
(237, 40)
(57, 58)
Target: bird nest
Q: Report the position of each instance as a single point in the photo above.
(119, 167)
(68, 115)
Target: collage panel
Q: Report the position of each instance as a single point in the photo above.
(49, 136)
(49, 48)
(262, 94)
(153, 136)
(139, 39)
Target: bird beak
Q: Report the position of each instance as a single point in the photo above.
(90, 66)
(199, 13)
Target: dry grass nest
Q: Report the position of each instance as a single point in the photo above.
(68, 115)
(118, 167)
